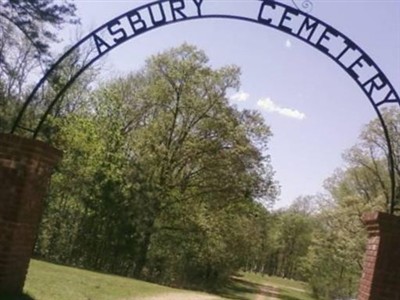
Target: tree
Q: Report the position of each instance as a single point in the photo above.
(291, 239)
(27, 31)
(373, 150)
(335, 259)
(161, 175)
(35, 19)
(335, 255)
(193, 141)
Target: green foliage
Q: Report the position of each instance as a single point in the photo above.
(35, 19)
(289, 241)
(161, 178)
(335, 257)
(27, 29)
(321, 239)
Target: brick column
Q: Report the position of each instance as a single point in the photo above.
(25, 169)
(381, 270)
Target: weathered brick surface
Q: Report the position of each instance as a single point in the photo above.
(25, 169)
(381, 270)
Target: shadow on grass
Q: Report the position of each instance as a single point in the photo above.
(235, 287)
(287, 297)
(18, 297)
(240, 289)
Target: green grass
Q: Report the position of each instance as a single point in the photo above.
(248, 286)
(288, 289)
(239, 289)
(47, 281)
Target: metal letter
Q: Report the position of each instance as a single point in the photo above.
(198, 5)
(100, 43)
(288, 14)
(152, 17)
(273, 16)
(120, 31)
(177, 9)
(138, 21)
(309, 28)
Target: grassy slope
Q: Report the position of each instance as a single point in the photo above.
(47, 281)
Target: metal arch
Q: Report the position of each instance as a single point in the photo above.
(178, 15)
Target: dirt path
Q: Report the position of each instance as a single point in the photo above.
(180, 296)
(271, 292)
(267, 292)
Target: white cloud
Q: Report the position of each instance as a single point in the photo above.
(271, 106)
(288, 43)
(240, 96)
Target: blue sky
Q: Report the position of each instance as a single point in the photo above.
(314, 108)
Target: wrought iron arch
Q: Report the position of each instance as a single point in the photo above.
(290, 20)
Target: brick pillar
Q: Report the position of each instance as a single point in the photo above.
(25, 169)
(381, 270)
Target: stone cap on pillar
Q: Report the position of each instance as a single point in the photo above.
(23, 150)
(378, 223)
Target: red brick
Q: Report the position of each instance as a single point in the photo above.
(380, 279)
(25, 170)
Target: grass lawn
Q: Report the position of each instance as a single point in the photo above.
(46, 281)
(288, 289)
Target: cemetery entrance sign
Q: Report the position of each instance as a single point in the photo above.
(290, 20)
(25, 165)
